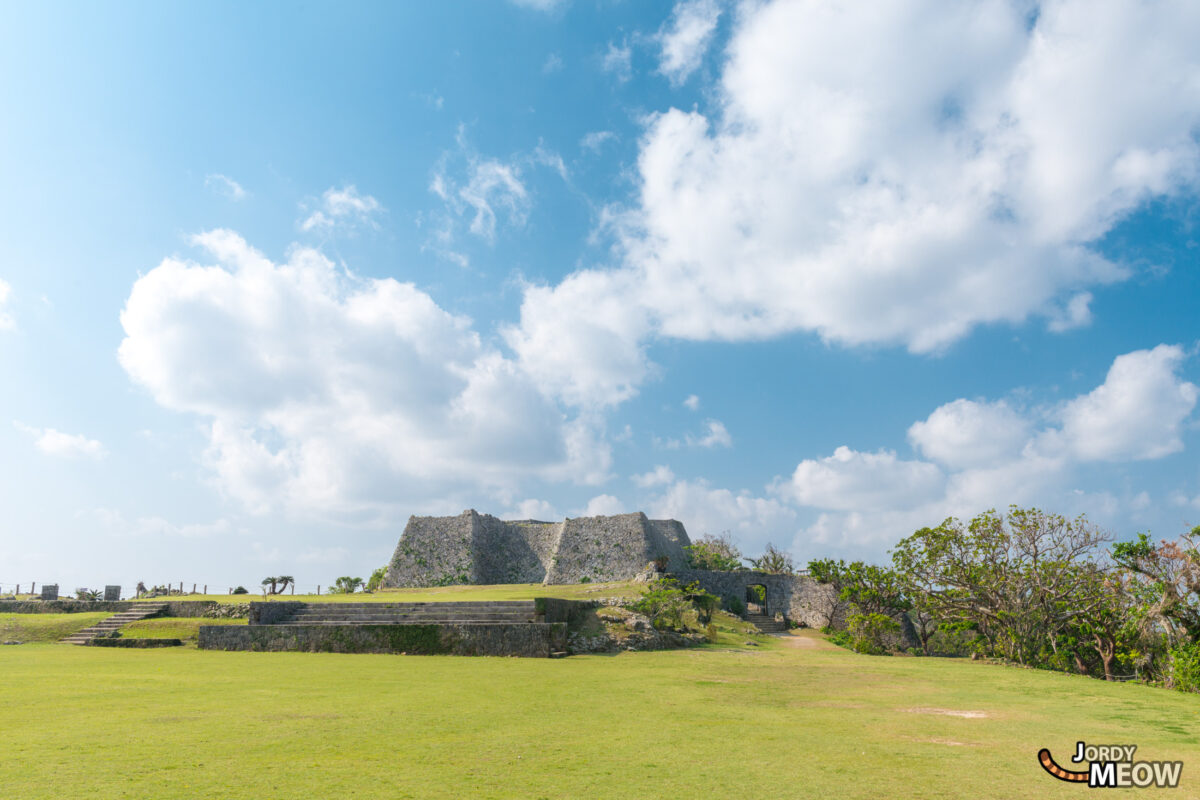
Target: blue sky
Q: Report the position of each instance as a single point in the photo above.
(274, 278)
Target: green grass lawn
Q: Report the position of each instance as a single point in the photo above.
(44, 627)
(458, 593)
(786, 719)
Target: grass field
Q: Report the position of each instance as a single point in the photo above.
(793, 718)
(44, 627)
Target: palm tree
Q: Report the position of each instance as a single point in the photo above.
(270, 584)
(284, 582)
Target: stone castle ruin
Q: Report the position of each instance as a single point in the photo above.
(479, 548)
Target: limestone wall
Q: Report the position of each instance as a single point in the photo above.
(534, 640)
(479, 548)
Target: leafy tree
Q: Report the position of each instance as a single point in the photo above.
(375, 582)
(1169, 574)
(774, 561)
(714, 553)
(346, 585)
(269, 584)
(1015, 578)
(284, 582)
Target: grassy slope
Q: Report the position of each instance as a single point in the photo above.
(185, 628)
(515, 591)
(773, 721)
(44, 627)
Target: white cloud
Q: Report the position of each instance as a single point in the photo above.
(494, 184)
(849, 480)
(967, 433)
(225, 186)
(715, 435)
(951, 175)
(683, 45)
(996, 456)
(580, 339)
(342, 208)
(553, 63)
(753, 521)
(1076, 314)
(533, 509)
(6, 320)
(1137, 413)
(113, 520)
(659, 476)
(604, 505)
(63, 445)
(596, 139)
(325, 393)
(618, 60)
(692, 403)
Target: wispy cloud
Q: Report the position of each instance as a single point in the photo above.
(224, 186)
(618, 60)
(343, 209)
(62, 445)
(683, 44)
(715, 435)
(596, 139)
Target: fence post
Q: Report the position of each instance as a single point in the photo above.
(318, 589)
(206, 589)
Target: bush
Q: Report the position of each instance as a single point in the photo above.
(705, 604)
(664, 603)
(871, 633)
(241, 590)
(735, 604)
(1185, 667)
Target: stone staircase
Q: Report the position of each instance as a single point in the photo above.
(110, 626)
(766, 623)
(497, 611)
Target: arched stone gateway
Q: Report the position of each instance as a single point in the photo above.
(798, 597)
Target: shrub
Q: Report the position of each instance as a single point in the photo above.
(585, 579)
(705, 604)
(664, 603)
(375, 582)
(710, 633)
(241, 590)
(1185, 667)
(870, 633)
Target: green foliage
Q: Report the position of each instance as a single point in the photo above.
(88, 595)
(871, 634)
(1185, 667)
(585, 579)
(774, 561)
(375, 582)
(346, 585)
(717, 553)
(664, 603)
(240, 590)
(706, 604)
(760, 593)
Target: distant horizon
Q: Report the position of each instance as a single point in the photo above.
(274, 279)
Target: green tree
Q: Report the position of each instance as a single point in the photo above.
(346, 585)
(714, 553)
(774, 561)
(375, 582)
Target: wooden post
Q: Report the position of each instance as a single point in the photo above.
(193, 588)
(293, 587)
(33, 588)
(206, 590)
(318, 588)
(181, 587)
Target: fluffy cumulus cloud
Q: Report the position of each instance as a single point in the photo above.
(990, 454)
(332, 394)
(685, 38)
(715, 435)
(957, 172)
(342, 209)
(1137, 413)
(967, 433)
(752, 520)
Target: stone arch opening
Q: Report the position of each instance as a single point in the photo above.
(756, 599)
